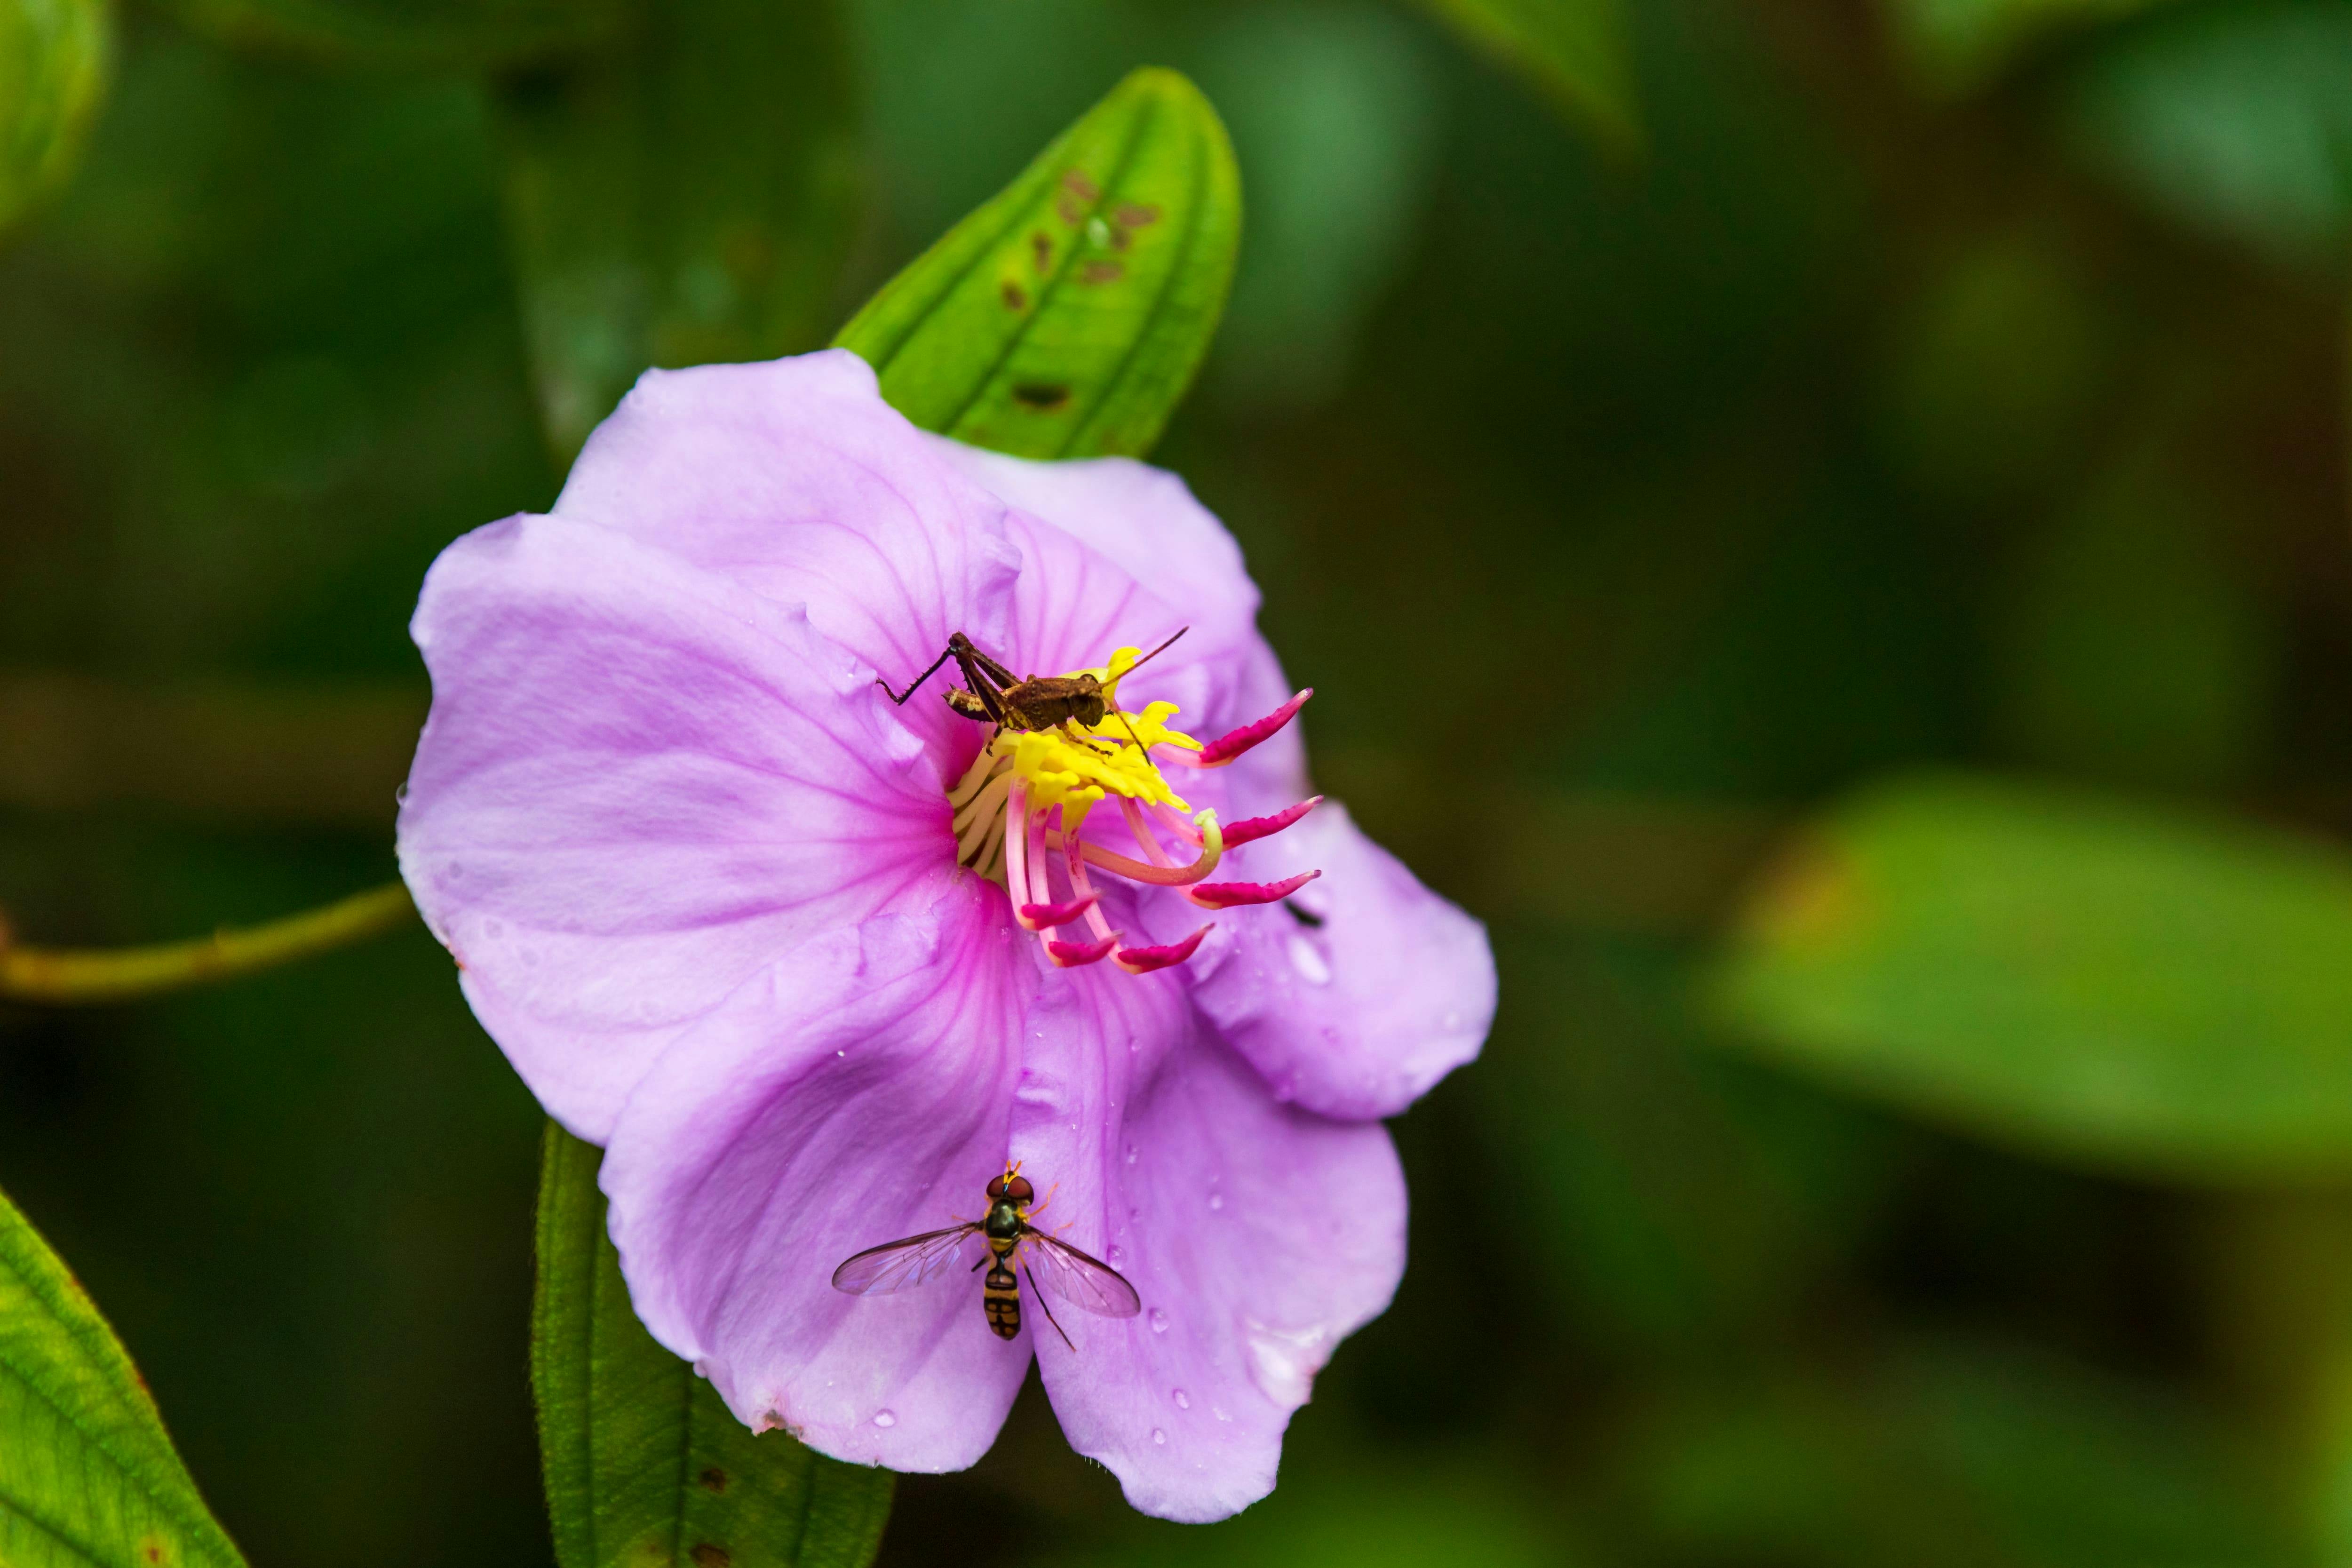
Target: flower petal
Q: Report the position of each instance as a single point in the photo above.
(639, 783)
(1357, 1008)
(1143, 520)
(797, 480)
(1257, 1235)
(856, 1093)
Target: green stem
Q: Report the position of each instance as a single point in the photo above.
(66, 977)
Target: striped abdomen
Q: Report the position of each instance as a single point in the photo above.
(1000, 1293)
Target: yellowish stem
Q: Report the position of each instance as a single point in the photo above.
(68, 977)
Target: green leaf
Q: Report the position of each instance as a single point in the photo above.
(2074, 975)
(1065, 317)
(683, 198)
(1572, 51)
(87, 1475)
(451, 33)
(53, 58)
(2235, 119)
(1954, 47)
(644, 1466)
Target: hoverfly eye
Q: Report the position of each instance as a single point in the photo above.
(1019, 1190)
(996, 1186)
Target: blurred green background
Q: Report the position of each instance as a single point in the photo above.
(1824, 524)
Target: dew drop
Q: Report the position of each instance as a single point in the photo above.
(1158, 1436)
(1308, 962)
(1183, 1400)
(1130, 1153)
(1220, 1415)
(1114, 1253)
(1159, 1321)
(841, 1053)
(884, 1418)
(1216, 1200)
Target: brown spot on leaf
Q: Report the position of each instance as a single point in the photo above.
(1041, 251)
(1071, 210)
(1015, 299)
(1102, 272)
(708, 1556)
(1042, 396)
(713, 1479)
(1078, 185)
(1136, 214)
(153, 1550)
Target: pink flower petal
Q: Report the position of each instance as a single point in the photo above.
(1355, 1010)
(1258, 1237)
(639, 783)
(795, 480)
(856, 1093)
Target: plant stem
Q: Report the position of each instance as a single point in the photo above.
(68, 977)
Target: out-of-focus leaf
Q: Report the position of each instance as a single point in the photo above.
(1573, 51)
(1953, 47)
(460, 33)
(1949, 1456)
(53, 57)
(644, 1463)
(1335, 111)
(2236, 118)
(88, 1477)
(683, 196)
(2078, 976)
(1067, 315)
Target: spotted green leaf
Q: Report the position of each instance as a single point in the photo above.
(462, 33)
(644, 1465)
(2074, 975)
(53, 56)
(1572, 51)
(683, 196)
(88, 1477)
(1066, 316)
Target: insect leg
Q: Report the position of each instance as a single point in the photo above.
(900, 697)
(1047, 1305)
(963, 646)
(977, 668)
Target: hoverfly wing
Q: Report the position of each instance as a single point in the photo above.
(1087, 1283)
(902, 1264)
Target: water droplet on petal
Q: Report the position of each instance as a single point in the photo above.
(1183, 1400)
(841, 1053)
(1114, 1253)
(1308, 962)
(1159, 1321)
(1220, 1415)
(1216, 1200)
(1157, 1436)
(1130, 1153)
(884, 1418)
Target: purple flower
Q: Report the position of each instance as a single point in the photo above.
(759, 931)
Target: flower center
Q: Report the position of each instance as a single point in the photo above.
(1022, 809)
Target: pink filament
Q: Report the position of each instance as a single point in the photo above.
(1236, 895)
(1144, 960)
(1228, 746)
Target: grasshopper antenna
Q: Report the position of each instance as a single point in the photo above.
(1131, 669)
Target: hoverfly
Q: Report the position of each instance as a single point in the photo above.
(991, 695)
(1084, 1282)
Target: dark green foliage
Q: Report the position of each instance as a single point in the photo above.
(88, 1478)
(1065, 317)
(684, 194)
(645, 1465)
